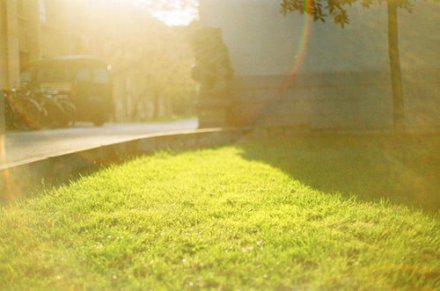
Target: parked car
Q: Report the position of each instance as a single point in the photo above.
(85, 80)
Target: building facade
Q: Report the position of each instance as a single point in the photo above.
(31, 30)
(292, 71)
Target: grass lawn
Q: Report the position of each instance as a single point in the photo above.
(300, 213)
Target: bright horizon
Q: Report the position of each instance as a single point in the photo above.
(174, 14)
(176, 17)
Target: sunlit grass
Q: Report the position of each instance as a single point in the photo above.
(261, 214)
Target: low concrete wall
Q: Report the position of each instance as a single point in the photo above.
(22, 179)
(344, 100)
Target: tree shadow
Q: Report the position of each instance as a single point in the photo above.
(370, 167)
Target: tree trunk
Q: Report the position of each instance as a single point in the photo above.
(396, 74)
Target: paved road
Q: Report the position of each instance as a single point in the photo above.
(22, 147)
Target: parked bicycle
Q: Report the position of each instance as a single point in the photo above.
(60, 110)
(22, 110)
(35, 109)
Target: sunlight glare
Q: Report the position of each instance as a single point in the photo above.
(176, 17)
(172, 12)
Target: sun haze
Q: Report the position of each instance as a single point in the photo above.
(172, 12)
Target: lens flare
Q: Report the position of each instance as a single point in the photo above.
(302, 46)
(4, 184)
(298, 56)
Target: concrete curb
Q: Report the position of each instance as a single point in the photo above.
(21, 178)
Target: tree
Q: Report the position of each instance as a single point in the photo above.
(150, 60)
(322, 9)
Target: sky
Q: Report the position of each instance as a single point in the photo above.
(172, 12)
(177, 17)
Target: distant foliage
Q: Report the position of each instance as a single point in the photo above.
(151, 61)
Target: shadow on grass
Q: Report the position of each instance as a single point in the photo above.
(369, 167)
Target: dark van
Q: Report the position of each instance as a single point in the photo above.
(86, 80)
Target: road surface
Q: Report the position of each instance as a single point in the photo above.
(22, 147)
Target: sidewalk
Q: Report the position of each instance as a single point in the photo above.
(19, 148)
